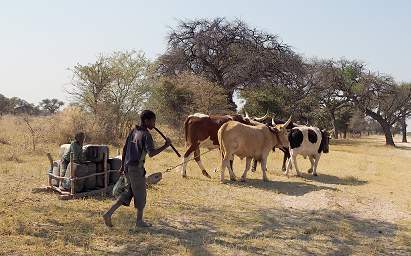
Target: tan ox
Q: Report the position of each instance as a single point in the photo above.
(250, 142)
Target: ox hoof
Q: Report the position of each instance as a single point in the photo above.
(299, 175)
(242, 179)
(205, 173)
(233, 179)
(310, 170)
(266, 179)
(315, 174)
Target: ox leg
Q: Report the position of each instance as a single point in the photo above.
(247, 167)
(199, 163)
(185, 158)
(231, 164)
(288, 167)
(294, 161)
(285, 158)
(254, 168)
(224, 163)
(264, 168)
(312, 164)
(316, 160)
(231, 172)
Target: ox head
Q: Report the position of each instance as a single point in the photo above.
(325, 141)
(281, 131)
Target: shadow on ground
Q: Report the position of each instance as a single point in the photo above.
(292, 188)
(285, 231)
(330, 179)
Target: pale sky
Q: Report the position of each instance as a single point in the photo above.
(40, 40)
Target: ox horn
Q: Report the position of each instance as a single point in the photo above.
(259, 119)
(272, 121)
(288, 122)
(246, 115)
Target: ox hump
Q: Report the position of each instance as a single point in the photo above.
(198, 115)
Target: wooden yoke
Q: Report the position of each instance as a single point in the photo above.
(72, 174)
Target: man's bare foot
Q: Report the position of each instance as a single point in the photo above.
(107, 220)
(143, 224)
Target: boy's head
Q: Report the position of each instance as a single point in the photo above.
(148, 119)
(80, 137)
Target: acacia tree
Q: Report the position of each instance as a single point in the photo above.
(51, 105)
(405, 111)
(113, 88)
(90, 82)
(330, 98)
(378, 96)
(4, 105)
(230, 54)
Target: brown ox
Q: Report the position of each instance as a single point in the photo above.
(200, 129)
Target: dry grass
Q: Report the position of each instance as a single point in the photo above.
(359, 204)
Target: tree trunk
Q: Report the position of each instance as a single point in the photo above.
(386, 127)
(404, 129)
(389, 140)
(334, 125)
(345, 133)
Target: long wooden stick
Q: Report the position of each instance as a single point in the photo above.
(171, 145)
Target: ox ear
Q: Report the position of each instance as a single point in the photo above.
(288, 122)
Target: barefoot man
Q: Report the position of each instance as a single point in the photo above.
(139, 143)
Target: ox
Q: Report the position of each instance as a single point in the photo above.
(202, 129)
(250, 142)
(307, 141)
(283, 149)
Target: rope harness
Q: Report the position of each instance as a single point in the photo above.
(174, 167)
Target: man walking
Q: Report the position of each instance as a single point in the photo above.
(139, 143)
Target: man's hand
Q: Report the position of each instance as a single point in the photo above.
(121, 171)
(168, 142)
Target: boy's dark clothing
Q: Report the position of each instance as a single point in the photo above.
(138, 144)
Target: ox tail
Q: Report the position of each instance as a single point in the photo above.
(186, 128)
(220, 140)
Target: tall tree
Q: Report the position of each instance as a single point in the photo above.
(404, 109)
(51, 105)
(378, 96)
(229, 54)
(4, 105)
(90, 82)
(113, 88)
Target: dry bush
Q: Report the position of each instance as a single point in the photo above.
(98, 129)
(65, 124)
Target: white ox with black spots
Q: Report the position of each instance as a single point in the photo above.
(307, 141)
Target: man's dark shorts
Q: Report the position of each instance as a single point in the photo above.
(136, 187)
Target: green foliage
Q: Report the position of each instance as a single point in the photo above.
(113, 89)
(175, 97)
(51, 106)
